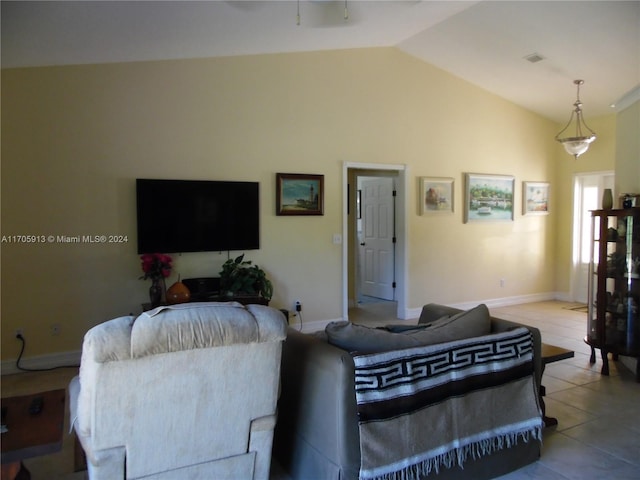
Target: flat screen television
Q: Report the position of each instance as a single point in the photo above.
(176, 216)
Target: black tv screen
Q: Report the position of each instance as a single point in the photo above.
(176, 216)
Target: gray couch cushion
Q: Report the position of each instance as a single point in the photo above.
(357, 338)
(471, 323)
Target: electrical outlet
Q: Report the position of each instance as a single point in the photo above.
(19, 332)
(502, 282)
(55, 329)
(297, 306)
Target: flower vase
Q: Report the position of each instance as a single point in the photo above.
(607, 199)
(157, 292)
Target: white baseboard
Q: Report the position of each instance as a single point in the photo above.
(315, 326)
(507, 301)
(564, 297)
(44, 362)
(492, 303)
(73, 358)
(413, 313)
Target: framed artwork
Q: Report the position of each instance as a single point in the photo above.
(488, 197)
(299, 194)
(436, 195)
(535, 198)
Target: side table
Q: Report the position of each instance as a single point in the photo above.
(34, 427)
(550, 354)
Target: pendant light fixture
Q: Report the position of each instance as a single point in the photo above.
(579, 143)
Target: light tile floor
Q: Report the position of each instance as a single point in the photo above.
(598, 435)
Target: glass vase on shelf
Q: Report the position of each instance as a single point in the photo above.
(607, 199)
(156, 267)
(157, 292)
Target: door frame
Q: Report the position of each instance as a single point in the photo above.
(606, 179)
(401, 249)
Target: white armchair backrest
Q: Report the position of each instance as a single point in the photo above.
(181, 385)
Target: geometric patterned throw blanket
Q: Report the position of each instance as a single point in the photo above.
(424, 408)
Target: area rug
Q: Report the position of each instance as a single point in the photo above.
(577, 307)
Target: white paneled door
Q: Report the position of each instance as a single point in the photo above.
(377, 239)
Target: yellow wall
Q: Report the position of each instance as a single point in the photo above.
(628, 150)
(75, 138)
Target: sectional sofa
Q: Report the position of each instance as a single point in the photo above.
(346, 412)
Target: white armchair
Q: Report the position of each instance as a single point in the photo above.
(187, 391)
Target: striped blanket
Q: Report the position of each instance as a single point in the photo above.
(424, 408)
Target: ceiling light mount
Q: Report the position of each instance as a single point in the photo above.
(534, 58)
(345, 14)
(579, 143)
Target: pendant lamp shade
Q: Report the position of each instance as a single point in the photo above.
(576, 136)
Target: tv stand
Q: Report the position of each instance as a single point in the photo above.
(243, 299)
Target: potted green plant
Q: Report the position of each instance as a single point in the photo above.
(241, 277)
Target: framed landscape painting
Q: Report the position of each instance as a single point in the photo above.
(299, 194)
(436, 195)
(488, 197)
(535, 198)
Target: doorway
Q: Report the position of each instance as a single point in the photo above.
(588, 189)
(374, 215)
(375, 232)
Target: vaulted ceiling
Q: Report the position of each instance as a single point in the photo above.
(484, 42)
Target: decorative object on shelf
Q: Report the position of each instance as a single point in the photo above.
(622, 228)
(157, 292)
(178, 293)
(299, 194)
(239, 276)
(634, 268)
(607, 199)
(629, 200)
(579, 143)
(436, 195)
(616, 264)
(157, 267)
(488, 197)
(535, 198)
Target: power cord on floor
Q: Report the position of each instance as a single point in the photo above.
(298, 307)
(25, 369)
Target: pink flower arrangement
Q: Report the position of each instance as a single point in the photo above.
(156, 265)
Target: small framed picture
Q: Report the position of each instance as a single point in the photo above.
(488, 197)
(535, 198)
(436, 195)
(299, 194)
